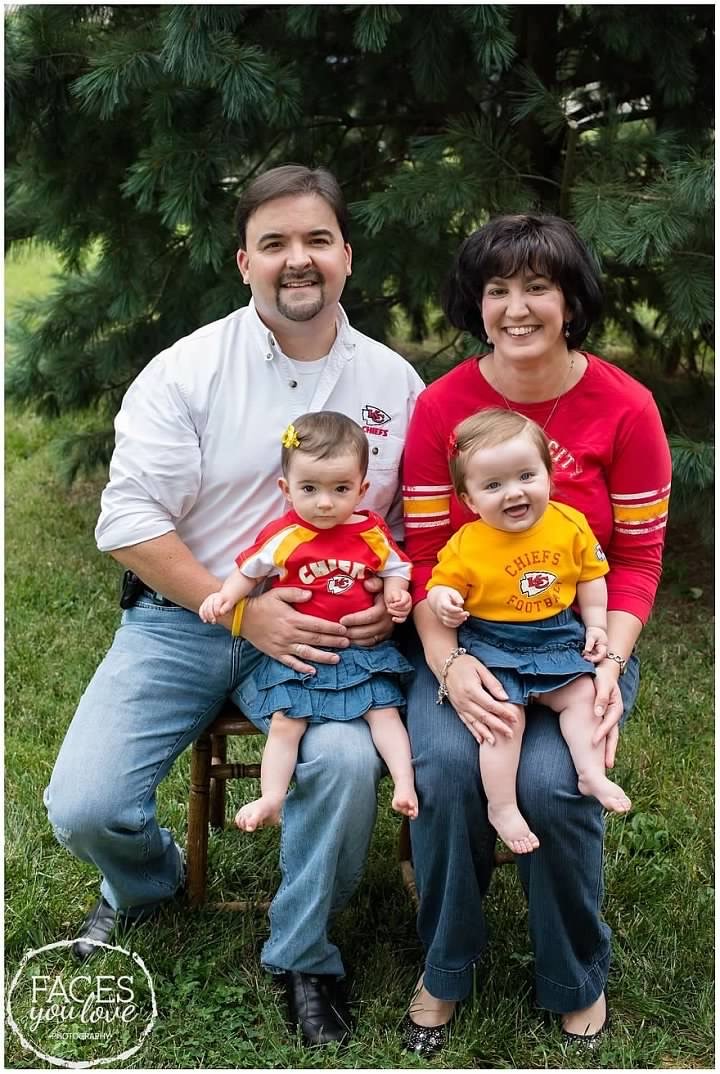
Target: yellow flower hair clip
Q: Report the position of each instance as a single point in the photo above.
(290, 438)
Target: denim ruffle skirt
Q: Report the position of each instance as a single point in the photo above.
(363, 679)
(529, 658)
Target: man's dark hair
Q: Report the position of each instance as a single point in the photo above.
(287, 181)
(547, 245)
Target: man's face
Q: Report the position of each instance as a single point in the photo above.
(295, 260)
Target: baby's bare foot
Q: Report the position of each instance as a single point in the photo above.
(405, 800)
(262, 813)
(607, 793)
(511, 826)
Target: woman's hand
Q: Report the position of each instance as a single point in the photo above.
(479, 700)
(278, 630)
(608, 707)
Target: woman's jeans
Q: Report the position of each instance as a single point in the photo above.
(161, 684)
(453, 846)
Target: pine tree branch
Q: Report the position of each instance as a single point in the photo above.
(573, 135)
(427, 358)
(693, 253)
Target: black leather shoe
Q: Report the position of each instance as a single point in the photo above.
(101, 921)
(317, 1007)
(98, 925)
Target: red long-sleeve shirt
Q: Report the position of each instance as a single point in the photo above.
(611, 461)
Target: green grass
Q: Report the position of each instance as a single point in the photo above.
(217, 1008)
(29, 271)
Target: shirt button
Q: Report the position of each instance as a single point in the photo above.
(292, 383)
(376, 451)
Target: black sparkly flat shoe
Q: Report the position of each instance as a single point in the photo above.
(423, 1040)
(589, 1041)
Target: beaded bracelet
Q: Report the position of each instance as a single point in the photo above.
(442, 688)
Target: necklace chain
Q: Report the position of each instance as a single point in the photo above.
(557, 401)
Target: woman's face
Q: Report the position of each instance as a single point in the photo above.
(524, 315)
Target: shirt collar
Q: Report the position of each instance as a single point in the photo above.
(344, 344)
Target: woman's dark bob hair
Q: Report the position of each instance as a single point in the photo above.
(547, 245)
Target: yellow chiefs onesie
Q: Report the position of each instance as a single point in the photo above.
(525, 576)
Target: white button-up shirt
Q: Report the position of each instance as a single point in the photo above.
(197, 447)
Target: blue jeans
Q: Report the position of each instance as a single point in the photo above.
(161, 684)
(453, 846)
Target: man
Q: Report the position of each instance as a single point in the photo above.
(192, 480)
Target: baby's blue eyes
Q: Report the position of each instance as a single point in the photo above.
(526, 475)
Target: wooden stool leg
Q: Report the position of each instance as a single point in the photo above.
(217, 786)
(406, 866)
(197, 839)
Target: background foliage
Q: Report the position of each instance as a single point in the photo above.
(131, 129)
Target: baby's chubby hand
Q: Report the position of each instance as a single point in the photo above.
(596, 644)
(399, 606)
(448, 605)
(214, 607)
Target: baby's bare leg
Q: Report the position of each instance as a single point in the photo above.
(278, 764)
(498, 768)
(392, 743)
(578, 723)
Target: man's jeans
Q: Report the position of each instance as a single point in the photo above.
(161, 684)
(453, 846)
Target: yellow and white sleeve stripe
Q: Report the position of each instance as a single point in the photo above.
(390, 564)
(641, 512)
(426, 506)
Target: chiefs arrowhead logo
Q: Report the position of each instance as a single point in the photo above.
(339, 583)
(533, 583)
(373, 415)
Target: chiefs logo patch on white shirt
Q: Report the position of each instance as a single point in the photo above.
(373, 415)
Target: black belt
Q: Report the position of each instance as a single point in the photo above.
(158, 598)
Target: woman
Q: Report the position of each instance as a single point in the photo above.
(528, 286)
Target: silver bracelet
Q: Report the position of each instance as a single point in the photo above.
(442, 688)
(619, 660)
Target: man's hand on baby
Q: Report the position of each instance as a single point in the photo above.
(213, 607)
(399, 606)
(448, 606)
(596, 644)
